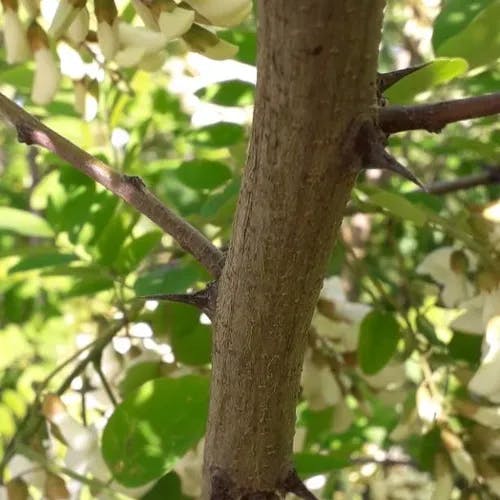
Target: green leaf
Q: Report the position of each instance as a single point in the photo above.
(154, 427)
(218, 135)
(479, 41)
(203, 174)
(455, 15)
(170, 279)
(190, 340)
(90, 286)
(24, 223)
(246, 41)
(400, 206)
(427, 446)
(230, 93)
(133, 252)
(433, 74)
(378, 340)
(43, 260)
(466, 347)
(139, 374)
(113, 235)
(310, 464)
(168, 487)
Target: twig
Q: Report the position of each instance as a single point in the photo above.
(433, 117)
(491, 175)
(131, 189)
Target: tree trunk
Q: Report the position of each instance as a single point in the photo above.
(316, 86)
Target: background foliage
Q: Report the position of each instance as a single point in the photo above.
(107, 398)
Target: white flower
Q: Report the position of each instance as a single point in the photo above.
(486, 381)
(108, 37)
(342, 417)
(79, 28)
(319, 387)
(64, 16)
(30, 472)
(16, 43)
(85, 101)
(343, 309)
(222, 12)
(471, 321)
(456, 286)
(444, 479)
(189, 469)
(135, 36)
(429, 406)
(176, 23)
(47, 76)
(208, 44)
(464, 464)
(145, 14)
(338, 319)
(485, 415)
(130, 56)
(153, 61)
(392, 376)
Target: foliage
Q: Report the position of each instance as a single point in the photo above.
(400, 392)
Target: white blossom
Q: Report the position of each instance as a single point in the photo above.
(135, 36)
(341, 319)
(486, 381)
(47, 76)
(175, 23)
(64, 16)
(145, 14)
(189, 469)
(222, 12)
(16, 43)
(108, 38)
(79, 28)
(319, 387)
(455, 285)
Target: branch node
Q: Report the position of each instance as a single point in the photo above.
(135, 181)
(25, 134)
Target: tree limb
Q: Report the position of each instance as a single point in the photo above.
(131, 189)
(433, 117)
(491, 175)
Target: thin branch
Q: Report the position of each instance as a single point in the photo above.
(490, 176)
(131, 189)
(433, 117)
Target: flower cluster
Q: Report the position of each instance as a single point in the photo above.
(32, 30)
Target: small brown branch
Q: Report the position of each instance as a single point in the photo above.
(433, 117)
(131, 189)
(490, 176)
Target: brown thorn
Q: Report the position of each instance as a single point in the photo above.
(370, 144)
(380, 158)
(204, 299)
(387, 80)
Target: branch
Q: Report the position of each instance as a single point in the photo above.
(433, 117)
(130, 189)
(490, 176)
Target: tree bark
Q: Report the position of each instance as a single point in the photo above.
(317, 66)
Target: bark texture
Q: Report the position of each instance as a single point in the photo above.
(316, 87)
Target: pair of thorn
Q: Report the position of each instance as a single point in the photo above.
(373, 141)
